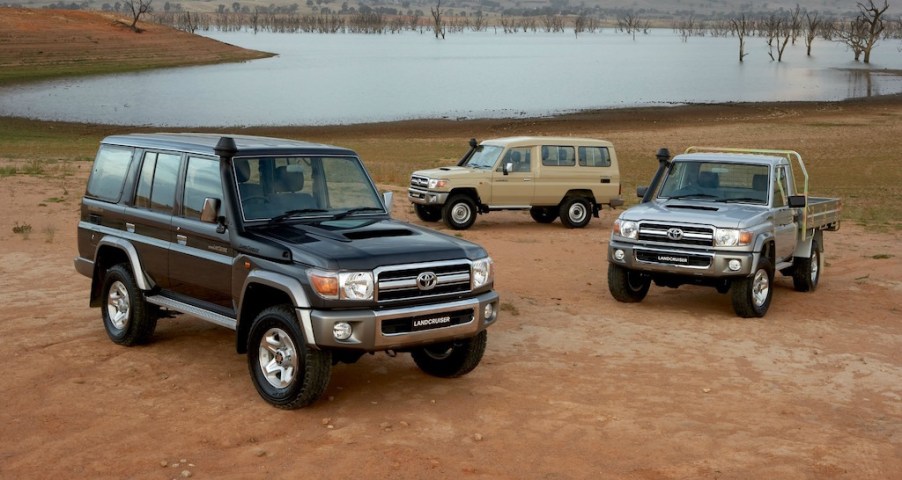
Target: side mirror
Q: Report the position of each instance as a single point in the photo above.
(641, 191)
(508, 167)
(797, 201)
(210, 212)
(387, 197)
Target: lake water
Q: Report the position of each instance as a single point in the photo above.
(321, 79)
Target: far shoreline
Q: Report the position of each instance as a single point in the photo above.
(658, 112)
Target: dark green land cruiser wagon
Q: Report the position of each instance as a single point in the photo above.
(285, 242)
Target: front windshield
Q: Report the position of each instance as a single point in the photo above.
(484, 156)
(717, 182)
(278, 188)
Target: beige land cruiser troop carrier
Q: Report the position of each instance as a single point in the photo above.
(552, 177)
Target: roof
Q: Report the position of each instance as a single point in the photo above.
(732, 157)
(205, 144)
(529, 140)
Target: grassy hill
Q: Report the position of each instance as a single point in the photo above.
(40, 44)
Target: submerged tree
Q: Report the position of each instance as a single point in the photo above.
(740, 27)
(872, 17)
(812, 24)
(437, 26)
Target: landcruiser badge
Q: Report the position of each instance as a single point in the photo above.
(674, 233)
(426, 281)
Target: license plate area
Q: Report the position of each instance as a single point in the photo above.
(431, 321)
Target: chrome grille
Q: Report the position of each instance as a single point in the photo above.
(417, 181)
(415, 281)
(677, 234)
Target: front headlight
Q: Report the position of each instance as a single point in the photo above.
(731, 237)
(483, 272)
(626, 228)
(342, 285)
(437, 183)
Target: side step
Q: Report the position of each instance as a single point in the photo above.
(181, 307)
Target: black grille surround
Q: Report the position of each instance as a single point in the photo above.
(675, 234)
(398, 283)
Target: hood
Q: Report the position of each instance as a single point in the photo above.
(723, 215)
(364, 244)
(447, 172)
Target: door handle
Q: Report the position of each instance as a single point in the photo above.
(183, 240)
(605, 180)
(527, 179)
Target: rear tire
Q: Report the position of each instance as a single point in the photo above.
(626, 285)
(575, 212)
(543, 214)
(451, 359)
(428, 213)
(459, 213)
(286, 372)
(752, 295)
(127, 317)
(806, 272)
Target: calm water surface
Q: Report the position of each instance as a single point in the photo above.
(347, 78)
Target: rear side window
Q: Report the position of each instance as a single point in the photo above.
(156, 184)
(594, 157)
(558, 156)
(108, 173)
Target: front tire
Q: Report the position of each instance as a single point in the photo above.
(543, 214)
(626, 285)
(286, 372)
(459, 213)
(127, 317)
(752, 295)
(807, 270)
(575, 212)
(451, 359)
(428, 213)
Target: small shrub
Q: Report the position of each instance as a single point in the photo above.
(23, 229)
(34, 167)
(882, 256)
(7, 171)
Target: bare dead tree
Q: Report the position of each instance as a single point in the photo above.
(795, 23)
(853, 34)
(580, 23)
(137, 9)
(872, 16)
(479, 23)
(812, 24)
(685, 27)
(740, 28)
(437, 26)
(631, 24)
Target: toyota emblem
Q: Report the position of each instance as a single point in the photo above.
(674, 234)
(426, 281)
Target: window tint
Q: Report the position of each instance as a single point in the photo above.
(108, 173)
(201, 181)
(156, 186)
(558, 156)
(348, 184)
(594, 157)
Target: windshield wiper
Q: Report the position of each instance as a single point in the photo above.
(345, 213)
(692, 195)
(743, 200)
(292, 213)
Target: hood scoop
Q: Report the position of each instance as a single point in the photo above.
(378, 233)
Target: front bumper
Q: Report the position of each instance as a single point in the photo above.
(406, 327)
(681, 261)
(425, 197)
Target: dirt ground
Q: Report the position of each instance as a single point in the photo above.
(573, 384)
